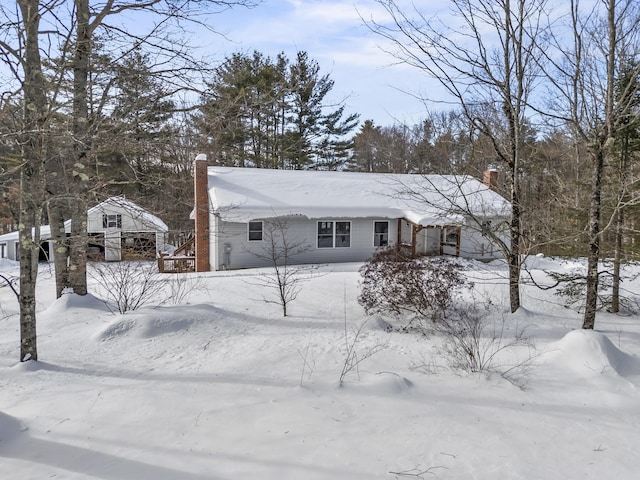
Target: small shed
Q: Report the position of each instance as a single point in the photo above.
(118, 229)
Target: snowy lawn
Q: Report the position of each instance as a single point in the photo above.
(222, 386)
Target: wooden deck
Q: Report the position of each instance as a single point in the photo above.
(167, 264)
(183, 259)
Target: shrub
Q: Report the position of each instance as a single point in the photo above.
(127, 285)
(472, 342)
(395, 282)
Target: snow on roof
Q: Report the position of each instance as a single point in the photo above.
(243, 194)
(45, 233)
(135, 209)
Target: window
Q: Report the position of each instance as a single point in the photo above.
(334, 234)
(111, 221)
(255, 231)
(380, 234)
(451, 237)
(343, 234)
(325, 234)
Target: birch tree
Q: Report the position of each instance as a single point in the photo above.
(484, 56)
(66, 31)
(33, 139)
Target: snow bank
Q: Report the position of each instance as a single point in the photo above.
(380, 384)
(541, 262)
(70, 301)
(10, 428)
(591, 353)
(6, 264)
(155, 322)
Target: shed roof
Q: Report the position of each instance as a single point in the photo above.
(243, 194)
(148, 218)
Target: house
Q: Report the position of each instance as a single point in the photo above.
(340, 216)
(118, 229)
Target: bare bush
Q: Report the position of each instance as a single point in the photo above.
(353, 356)
(425, 287)
(474, 343)
(429, 288)
(308, 364)
(127, 285)
(181, 286)
(353, 359)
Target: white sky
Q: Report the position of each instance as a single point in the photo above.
(333, 33)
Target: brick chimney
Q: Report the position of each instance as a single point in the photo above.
(490, 178)
(201, 213)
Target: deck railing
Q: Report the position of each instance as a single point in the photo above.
(167, 264)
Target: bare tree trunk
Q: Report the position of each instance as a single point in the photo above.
(514, 254)
(602, 148)
(80, 186)
(617, 261)
(591, 302)
(29, 232)
(31, 177)
(56, 213)
(78, 248)
(620, 217)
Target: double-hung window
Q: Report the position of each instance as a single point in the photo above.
(111, 221)
(255, 231)
(334, 234)
(380, 234)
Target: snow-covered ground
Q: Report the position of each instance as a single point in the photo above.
(221, 386)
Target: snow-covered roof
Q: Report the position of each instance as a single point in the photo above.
(243, 194)
(45, 233)
(136, 211)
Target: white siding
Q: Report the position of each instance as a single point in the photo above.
(131, 222)
(246, 254)
(231, 248)
(477, 246)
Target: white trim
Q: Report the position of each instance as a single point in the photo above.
(334, 234)
(249, 230)
(388, 222)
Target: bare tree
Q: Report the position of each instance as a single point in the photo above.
(89, 19)
(627, 143)
(582, 77)
(68, 39)
(33, 139)
(279, 251)
(485, 58)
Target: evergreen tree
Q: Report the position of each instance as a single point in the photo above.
(264, 113)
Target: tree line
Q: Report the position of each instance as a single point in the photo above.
(90, 110)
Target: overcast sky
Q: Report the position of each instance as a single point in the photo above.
(333, 33)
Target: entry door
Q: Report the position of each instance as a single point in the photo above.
(112, 249)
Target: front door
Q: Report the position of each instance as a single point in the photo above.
(112, 250)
